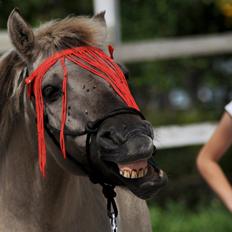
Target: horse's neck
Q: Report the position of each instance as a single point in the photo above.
(58, 202)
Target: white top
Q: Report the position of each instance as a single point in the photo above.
(228, 108)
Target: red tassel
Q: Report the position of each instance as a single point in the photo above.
(64, 107)
(111, 51)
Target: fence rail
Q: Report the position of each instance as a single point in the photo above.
(175, 48)
(179, 136)
(162, 48)
(4, 42)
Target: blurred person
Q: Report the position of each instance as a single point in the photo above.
(210, 154)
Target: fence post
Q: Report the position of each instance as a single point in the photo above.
(112, 17)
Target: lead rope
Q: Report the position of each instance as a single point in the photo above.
(112, 211)
(107, 189)
(94, 176)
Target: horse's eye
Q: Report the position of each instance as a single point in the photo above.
(51, 93)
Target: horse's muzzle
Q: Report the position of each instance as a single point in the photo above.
(124, 150)
(124, 147)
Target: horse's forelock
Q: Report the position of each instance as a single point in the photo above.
(70, 32)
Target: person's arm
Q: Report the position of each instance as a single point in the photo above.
(207, 160)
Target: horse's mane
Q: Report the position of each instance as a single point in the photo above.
(10, 66)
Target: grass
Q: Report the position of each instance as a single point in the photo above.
(176, 217)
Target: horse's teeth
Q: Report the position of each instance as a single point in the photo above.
(145, 171)
(140, 174)
(161, 174)
(126, 174)
(133, 174)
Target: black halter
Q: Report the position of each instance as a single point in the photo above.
(95, 177)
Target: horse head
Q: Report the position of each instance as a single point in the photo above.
(101, 134)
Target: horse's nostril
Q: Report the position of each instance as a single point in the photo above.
(111, 136)
(106, 135)
(149, 128)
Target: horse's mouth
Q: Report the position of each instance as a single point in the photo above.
(142, 178)
(124, 157)
(134, 170)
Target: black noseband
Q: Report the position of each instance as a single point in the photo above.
(91, 129)
(93, 126)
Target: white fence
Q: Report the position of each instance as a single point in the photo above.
(175, 48)
(4, 42)
(179, 136)
(162, 48)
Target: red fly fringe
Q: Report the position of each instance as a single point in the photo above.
(90, 58)
(64, 107)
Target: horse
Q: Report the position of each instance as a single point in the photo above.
(60, 195)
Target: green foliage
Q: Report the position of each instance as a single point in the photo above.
(153, 81)
(176, 217)
(150, 19)
(36, 11)
(194, 115)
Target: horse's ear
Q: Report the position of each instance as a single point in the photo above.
(21, 35)
(100, 17)
(98, 30)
